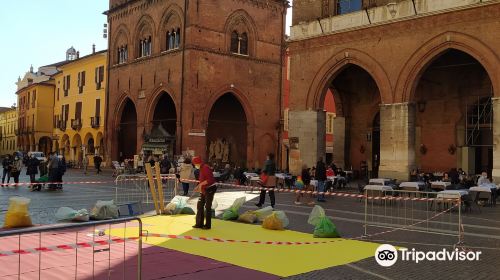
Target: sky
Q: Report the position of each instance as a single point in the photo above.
(38, 33)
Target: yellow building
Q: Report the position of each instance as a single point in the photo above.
(79, 107)
(35, 110)
(8, 128)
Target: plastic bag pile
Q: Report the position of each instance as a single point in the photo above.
(104, 210)
(276, 221)
(18, 214)
(323, 226)
(69, 214)
(178, 205)
(232, 212)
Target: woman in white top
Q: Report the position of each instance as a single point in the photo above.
(186, 174)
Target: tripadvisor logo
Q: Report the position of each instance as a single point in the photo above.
(387, 255)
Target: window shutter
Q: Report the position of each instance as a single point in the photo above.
(234, 42)
(244, 44)
(83, 78)
(69, 82)
(78, 110)
(96, 75)
(101, 74)
(97, 107)
(79, 79)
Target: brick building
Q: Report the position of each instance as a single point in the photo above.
(194, 77)
(416, 83)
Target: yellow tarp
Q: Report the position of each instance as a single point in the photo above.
(281, 260)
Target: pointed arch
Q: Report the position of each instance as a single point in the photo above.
(334, 66)
(241, 22)
(428, 52)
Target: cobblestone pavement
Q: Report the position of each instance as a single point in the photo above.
(482, 230)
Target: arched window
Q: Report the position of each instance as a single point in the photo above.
(171, 40)
(239, 43)
(178, 38)
(244, 44)
(234, 42)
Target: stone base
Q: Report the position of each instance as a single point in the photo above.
(309, 128)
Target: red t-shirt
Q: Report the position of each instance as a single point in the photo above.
(206, 174)
(330, 172)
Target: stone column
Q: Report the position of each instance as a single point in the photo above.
(309, 128)
(397, 140)
(339, 142)
(496, 139)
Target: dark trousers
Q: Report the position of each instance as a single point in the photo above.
(185, 188)
(53, 177)
(204, 208)
(32, 178)
(262, 198)
(5, 173)
(98, 167)
(16, 176)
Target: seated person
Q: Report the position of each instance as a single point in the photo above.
(446, 177)
(330, 172)
(454, 176)
(342, 180)
(483, 179)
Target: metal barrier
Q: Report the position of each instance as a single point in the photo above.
(133, 195)
(73, 251)
(413, 211)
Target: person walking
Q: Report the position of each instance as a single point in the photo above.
(32, 169)
(15, 170)
(6, 164)
(270, 181)
(53, 166)
(165, 165)
(320, 176)
(207, 189)
(186, 173)
(85, 163)
(97, 163)
(61, 170)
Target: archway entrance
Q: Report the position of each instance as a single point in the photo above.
(353, 121)
(45, 145)
(454, 117)
(77, 149)
(161, 138)
(89, 144)
(227, 132)
(127, 136)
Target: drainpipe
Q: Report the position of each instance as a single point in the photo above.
(108, 156)
(183, 72)
(282, 45)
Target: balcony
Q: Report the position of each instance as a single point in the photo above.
(95, 122)
(76, 124)
(61, 124)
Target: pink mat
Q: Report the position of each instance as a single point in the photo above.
(116, 261)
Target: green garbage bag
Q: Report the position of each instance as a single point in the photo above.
(232, 212)
(325, 229)
(187, 210)
(323, 226)
(43, 179)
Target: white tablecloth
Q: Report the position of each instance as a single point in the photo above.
(250, 174)
(216, 174)
(413, 185)
(314, 183)
(483, 188)
(283, 176)
(440, 183)
(452, 193)
(377, 188)
(379, 181)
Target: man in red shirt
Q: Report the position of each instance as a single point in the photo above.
(207, 189)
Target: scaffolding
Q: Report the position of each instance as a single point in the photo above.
(479, 117)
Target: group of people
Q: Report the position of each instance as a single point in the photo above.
(12, 165)
(457, 177)
(55, 166)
